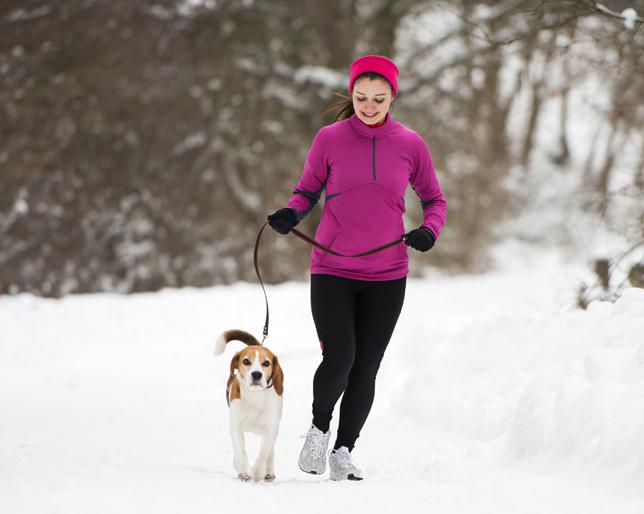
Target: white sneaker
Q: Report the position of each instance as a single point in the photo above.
(313, 455)
(342, 466)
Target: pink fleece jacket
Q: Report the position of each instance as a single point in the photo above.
(365, 172)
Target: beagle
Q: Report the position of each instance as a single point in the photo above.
(254, 396)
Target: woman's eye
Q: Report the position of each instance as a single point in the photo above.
(378, 100)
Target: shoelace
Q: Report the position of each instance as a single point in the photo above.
(345, 460)
(315, 445)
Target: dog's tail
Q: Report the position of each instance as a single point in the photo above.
(234, 335)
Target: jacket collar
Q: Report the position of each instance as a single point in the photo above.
(362, 129)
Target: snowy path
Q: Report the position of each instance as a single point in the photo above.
(492, 398)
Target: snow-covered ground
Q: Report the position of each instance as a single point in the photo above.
(495, 396)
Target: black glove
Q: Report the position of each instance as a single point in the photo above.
(283, 220)
(421, 239)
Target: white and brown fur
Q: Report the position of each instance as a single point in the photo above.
(254, 395)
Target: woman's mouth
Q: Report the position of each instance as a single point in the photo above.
(369, 115)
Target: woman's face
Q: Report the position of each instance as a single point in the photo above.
(371, 99)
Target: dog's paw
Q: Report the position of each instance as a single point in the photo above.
(269, 477)
(244, 476)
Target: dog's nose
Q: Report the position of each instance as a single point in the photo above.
(256, 375)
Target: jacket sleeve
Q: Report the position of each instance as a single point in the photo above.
(312, 181)
(426, 186)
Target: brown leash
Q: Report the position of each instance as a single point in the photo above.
(314, 243)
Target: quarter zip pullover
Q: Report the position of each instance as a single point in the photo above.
(365, 171)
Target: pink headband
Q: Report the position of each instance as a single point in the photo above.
(377, 63)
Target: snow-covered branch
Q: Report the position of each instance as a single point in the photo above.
(628, 16)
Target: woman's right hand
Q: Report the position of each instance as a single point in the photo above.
(282, 220)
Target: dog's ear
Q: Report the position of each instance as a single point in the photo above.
(278, 376)
(234, 364)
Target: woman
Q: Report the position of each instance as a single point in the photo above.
(364, 162)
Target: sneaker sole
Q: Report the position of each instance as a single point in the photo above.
(312, 472)
(351, 476)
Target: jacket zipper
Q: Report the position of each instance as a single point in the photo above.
(373, 158)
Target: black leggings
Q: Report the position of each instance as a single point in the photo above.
(354, 320)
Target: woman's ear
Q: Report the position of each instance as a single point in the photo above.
(278, 376)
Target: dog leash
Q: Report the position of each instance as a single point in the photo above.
(314, 243)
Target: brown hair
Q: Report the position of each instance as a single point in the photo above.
(344, 108)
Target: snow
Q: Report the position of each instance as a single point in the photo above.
(192, 141)
(24, 15)
(320, 75)
(630, 16)
(495, 395)
(188, 7)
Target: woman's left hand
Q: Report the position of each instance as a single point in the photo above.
(420, 238)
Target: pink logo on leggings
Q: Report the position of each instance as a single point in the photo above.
(321, 345)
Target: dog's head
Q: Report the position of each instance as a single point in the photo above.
(258, 369)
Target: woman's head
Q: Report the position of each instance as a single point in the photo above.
(373, 83)
(378, 64)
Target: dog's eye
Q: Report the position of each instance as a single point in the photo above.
(246, 362)
(266, 364)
